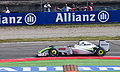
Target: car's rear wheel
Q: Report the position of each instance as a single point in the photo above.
(100, 52)
(53, 52)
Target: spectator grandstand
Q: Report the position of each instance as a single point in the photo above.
(68, 0)
(34, 5)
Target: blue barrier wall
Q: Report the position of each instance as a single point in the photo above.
(40, 18)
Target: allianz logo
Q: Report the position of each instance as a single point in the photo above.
(10, 20)
(29, 19)
(103, 16)
(73, 17)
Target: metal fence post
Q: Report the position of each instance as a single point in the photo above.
(41, 8)
(87, 4)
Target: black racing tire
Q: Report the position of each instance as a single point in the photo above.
(53, 52)
(36, 56)
(100, 52)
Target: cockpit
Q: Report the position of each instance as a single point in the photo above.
(84, 43)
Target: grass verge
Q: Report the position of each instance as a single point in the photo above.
(79, 62)
(61, 39)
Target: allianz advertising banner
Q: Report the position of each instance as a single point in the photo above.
(40, 18)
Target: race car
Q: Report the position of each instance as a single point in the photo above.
(82, 47)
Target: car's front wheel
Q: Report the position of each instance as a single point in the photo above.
(100, 52)
(53, 52)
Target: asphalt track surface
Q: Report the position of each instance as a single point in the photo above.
(29, 49)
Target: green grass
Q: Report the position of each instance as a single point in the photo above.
(79, 62)
(61, 39)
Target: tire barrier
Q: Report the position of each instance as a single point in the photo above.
(70, 68)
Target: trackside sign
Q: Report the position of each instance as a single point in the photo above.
(40, 18)
(103, 16)
(58, 68)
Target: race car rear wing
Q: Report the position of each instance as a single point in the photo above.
(105, 45)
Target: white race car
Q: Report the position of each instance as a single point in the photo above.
(83, 47)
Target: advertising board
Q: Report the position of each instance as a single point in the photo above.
(43, 18)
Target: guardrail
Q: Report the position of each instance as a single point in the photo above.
(42, 18)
